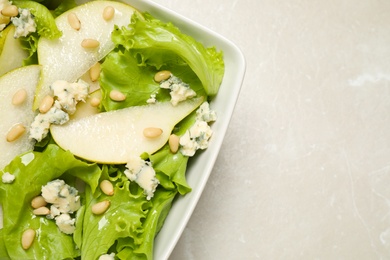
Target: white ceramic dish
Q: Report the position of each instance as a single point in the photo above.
(201, 166)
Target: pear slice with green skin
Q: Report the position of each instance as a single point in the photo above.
(22, 78)
(64, 58)
(113, 137)
(11, 52)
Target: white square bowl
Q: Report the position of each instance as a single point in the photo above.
(201, 165)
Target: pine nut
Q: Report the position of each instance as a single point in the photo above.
(94, 72)
(107, 187)
(4, 19)
(173, 142)
(152, 132)
(95, 102)
(41, 211)
(38, 202)
(100, 207)
(108, 13)
(10, 11)
(90, 43)
(28, 237)
(116, 95)
(19, 97)
(46, 104)
(74, 21)
(162, 75)
(15, 132)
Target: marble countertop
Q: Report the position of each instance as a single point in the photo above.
(304, 171)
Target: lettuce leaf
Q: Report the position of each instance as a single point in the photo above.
(30, 44)
(123, 219)
(162, 202)
(122, 71)
(46, 26)
(154, 42)
(32, 170)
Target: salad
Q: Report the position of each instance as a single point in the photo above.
(109, 104)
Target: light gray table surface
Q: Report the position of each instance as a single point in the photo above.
(304, 171)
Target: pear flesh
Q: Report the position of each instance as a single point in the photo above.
(12, 54)
(114, 137)
(22, 78)
(65, 58)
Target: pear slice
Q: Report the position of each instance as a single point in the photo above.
(22, 78)
(11, 52)
(64, 58)
(87, 108)
(113, 137)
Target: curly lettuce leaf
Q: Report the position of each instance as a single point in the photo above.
(152, 40)
(123, 219)
(122, 71)
(171, 167)
(162, 202)
(129, 226)
(30, 44)
(33, 170)
(46, 26)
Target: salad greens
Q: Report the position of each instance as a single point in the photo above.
(129, 226)
(155, 42)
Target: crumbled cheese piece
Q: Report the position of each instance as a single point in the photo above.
(7, 178)
(69, 94)
(203, 113)
(180, 91)
(152, 99)
(197, 137)
(66, 223)
(107, 257)
(24, 23)
(64, 197)
(65, 201)
(4, 20)
(41, 124)
(143, 174)
(54, 212)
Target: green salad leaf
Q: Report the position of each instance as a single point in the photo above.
(155, 43)
(46, 26)
(33, 170)
(122, 71)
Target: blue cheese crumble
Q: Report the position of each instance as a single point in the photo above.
(41, 124)
(66, 223)
(64, 201)
(180, 91)
(143, 174)
(4, 20)
(67, 96)
(7, 178)
(24, 23)
(197, 137)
